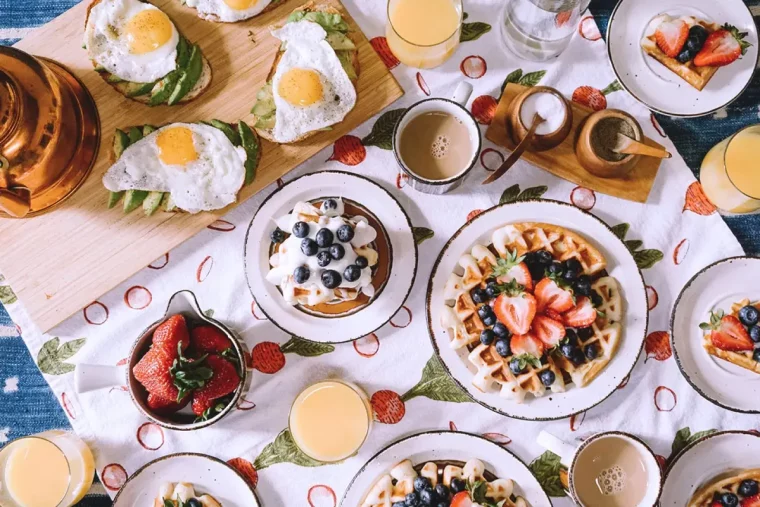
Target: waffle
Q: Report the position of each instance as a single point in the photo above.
(698, 77)
(739, 358)
(399, 482)
(725, 483)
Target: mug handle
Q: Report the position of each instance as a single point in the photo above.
(559, 447)
(462, 93)
(91, 377)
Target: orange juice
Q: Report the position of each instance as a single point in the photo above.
(730, 173)
(423, 33)
(330, 420)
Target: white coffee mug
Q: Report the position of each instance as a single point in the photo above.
(569, 456)
(454, 106)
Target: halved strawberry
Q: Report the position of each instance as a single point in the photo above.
(731, 336)
(511, 268)
(461, 499)
(549, 331)
(722, 47)
(515, 309)
(671, 36)
(583, 315)
(552, 296)
(750, 501)
(553, 314)
(527, 344)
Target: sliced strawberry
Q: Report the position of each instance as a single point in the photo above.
(553, 314)
(583, 315)
(722, 47)
(461, 499)
(671, 36)
(750, 501)
(516, 312)
(549, 331)
(731, 335)
(520, 273)
(552, 296)
(527, 344)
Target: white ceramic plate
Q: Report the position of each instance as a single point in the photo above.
(716, 286)
(206, 473)
(651, 82)
(382, 307)
(446, 445)
(706, 458)
(620, 264)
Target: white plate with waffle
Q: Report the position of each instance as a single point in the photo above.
(440, 456)
(662, 88)
(576, 347)
(322, 204)
(715, 464)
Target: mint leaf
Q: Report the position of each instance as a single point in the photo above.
(532, 78)
(437, 385)
(382, 131)
(421, 234)
(473, 31)
(647, 258)
(680, 441)
(547, 468)
(510, 194)
(620, 230)
(306, 348)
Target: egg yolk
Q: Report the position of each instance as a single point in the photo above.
(147, 31)
(300, 87)
(175, 146)
(239, 5)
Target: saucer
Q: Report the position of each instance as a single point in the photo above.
(397, 228)
(654, 85)
(206, 473)
(444, 446)
(716, 286)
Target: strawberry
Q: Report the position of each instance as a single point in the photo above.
(553, 314)
(751, 501)
(722, 47)
(461, 499)
(511, 268)
(223, 381)
(169, 334)
(728, 333)
(549, 331)
(527, 344)
(550, 295)
(152, 371)
(515, 308)
(583, 315)
(671, 36)
(208, 340)
(162, 406)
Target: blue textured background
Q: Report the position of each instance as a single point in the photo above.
(33, 408)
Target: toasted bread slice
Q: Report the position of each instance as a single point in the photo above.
(311, 6)
(216, 19)
(203, 83)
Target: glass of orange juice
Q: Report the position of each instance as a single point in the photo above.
(730, 173)
(330, 420)
(51, 469)
(423, 33)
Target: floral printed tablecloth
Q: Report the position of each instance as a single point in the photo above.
(672, 236)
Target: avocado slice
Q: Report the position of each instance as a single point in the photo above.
(100, 68)
(114, 198)
(339, 41)
(152, 202)
(134, 198)
(135, 134)
(120, 142)
(263, 107)
(113, 79)
(251, 147)
(148, 129)
(169, 205)
(345, 61)
(228, 130)
(137, 89)
(265, 122)
(189, 78)
(164, 87)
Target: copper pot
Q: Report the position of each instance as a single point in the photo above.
(49, 133)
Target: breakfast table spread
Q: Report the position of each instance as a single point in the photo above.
(671, 237)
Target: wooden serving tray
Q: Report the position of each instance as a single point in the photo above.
(561, 161)
(49, 259)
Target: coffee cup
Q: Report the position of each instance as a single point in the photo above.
(613, 469)
(437, 142)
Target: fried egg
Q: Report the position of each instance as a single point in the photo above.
(197, 164)
(132, 40)
(229, 10)
(311, 89)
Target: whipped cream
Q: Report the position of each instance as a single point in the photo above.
(289, 255)
(657, 20)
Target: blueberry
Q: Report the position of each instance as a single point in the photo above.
(362, 262)
(428, 496)
(756, 355)
(571, 336)
(487, 337)
(345, 233)
(729, 500)
(686, 53)
(754, 333)
(479, 295)
(277, 235)
(490, 320)
(544, 258)
(577, 357)
(352, 273)
(323, 258)
(536, 272)
(301, 230)
(309, 247)
(457, 485)
(336, 251)
(193, 502)
(484, 311)
(547, 377)
(492, 290)
(556, 268)
(331, 278)
(748, 488)
(330, 204)
(584, 333)
(444, 504)
(567, 349)
(324, 238)
(399, 504)
(574, 264)
(501, 330)
(412, 499)
(590, 351)
(582, 285)
(301, 274)
(749, 315)
(693, 45)
(502, 347)
(514, 366)
(596, 298)
(421, 483)
(442, 491)
(699, 32)
(570, 275)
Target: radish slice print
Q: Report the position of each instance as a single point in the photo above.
(662, 462)
(222, 226)
(401, 180)
(588, 29)
(583, 198)
(398, 321)
(245, 405)
(114, 476)
(96, 313)
(321, 496)
(160, 263)
(67, 406)
(388, 406)
(367, 346)
(624, 382)
(280, 183)
(483, 109)
(656, 125)
(498, 438)
(472, 214)
(348, 150)
(150, 436)
(246, 469)
(256, 315)
(380, 45)
(474, 67)
(423, 85)
(491, 159)
(138, 297)
(680, 252)
(665, 399)
(652, 297)
(204, 269)
(657, 346)
(576, 421)
(452, 426)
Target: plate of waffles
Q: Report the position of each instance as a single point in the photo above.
(537, 309)
(444, 468)
(683, 58)
(330, 257)
(720, 469)
(715, 333)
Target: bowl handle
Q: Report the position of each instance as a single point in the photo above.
(91, 377)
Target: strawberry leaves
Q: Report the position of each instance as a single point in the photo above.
(473, 31)
(715, 318)
(513, 193)
(216, 408)
(504, 265)
(526, 359)
(189, 374)
(517, 77)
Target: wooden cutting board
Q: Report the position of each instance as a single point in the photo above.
(49, 259)
(561, 161)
